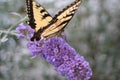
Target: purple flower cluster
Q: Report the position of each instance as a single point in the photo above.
(24, 31)
(65, 59)
(59, 53)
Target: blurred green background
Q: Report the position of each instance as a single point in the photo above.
(94, 32)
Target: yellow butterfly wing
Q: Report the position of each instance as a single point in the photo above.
(61, 19)
(38, 16)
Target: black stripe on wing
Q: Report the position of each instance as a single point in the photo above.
(31, 21)
(71, 9)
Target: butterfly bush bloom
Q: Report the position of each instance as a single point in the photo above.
(24, 31)
(60, 54)
(64, 58)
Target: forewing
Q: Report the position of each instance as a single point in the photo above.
(61, 19)
(38, 16)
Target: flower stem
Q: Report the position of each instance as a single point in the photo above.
(4, 38)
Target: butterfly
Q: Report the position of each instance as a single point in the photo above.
(44, 24)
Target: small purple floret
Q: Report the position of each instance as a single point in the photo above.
(64, 58)
(24, 31)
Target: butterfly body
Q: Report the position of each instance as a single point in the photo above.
(44, 24)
